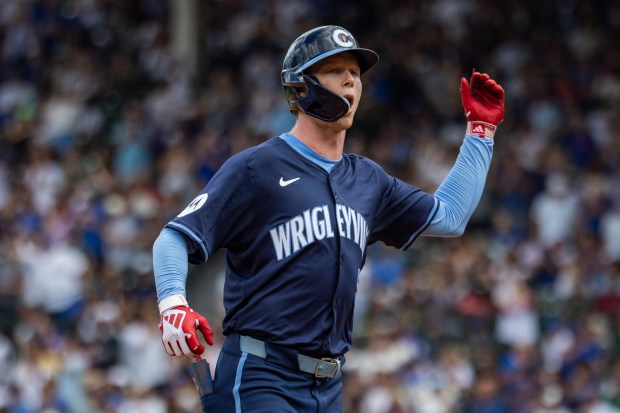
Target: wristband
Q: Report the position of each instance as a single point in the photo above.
(480, 129)
(171, 301)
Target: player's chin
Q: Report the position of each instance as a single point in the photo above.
(346, 121)
(342, 124)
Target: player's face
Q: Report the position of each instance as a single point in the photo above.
(340, 73)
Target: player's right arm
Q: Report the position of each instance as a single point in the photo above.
(458, 195)
(178, 322)
(460, 192)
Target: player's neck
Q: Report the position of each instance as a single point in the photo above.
(322, 138)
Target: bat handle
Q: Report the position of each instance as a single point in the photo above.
(201, 375)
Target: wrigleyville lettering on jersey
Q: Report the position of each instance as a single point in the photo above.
(312, 225)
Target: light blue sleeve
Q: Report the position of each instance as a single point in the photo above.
(459, 193)
(170, 263)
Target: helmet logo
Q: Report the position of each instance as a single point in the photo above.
(342, 38)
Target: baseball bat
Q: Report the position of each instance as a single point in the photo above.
(201, 375)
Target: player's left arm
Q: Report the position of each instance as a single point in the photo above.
(458, 195)
(178, 323)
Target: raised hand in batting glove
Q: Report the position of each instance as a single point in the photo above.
(178, 327)
(483, 101)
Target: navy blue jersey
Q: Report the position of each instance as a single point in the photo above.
(295, 239)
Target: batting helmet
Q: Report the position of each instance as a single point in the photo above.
(308, 49)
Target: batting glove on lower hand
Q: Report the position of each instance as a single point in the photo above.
(178, 327)
(483, 101)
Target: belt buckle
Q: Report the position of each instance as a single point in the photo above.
(331, 362)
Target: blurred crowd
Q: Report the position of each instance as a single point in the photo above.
(105, 135)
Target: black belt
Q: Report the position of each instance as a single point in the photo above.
(322, 368)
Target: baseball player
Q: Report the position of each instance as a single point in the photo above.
(295, 215)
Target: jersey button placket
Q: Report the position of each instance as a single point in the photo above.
(331, 181)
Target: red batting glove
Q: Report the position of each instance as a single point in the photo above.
(483, 101)
(178, 331)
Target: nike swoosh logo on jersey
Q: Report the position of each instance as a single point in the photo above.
(284, 183)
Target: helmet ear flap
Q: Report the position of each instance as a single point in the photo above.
(321, 102)
(290, 78)
(292, 83)
(318, 102)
